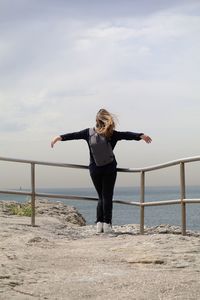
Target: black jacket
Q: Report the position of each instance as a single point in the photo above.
(116, 136)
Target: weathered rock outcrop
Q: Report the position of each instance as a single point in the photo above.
(66, 214)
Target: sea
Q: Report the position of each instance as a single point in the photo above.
(126, 214)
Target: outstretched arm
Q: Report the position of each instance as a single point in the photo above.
(55, 140)
(78, 135)
(146, 138)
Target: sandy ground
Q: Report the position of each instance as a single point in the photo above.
(57, 261)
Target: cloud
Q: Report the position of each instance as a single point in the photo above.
(52, 64)
(61, 44)
(12, 126)
(87, 9)
(62, 60)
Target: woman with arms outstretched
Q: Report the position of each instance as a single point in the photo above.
(102, 174)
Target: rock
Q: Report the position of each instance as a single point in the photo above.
(37, 239)
(4, 276)
(146, 261)
(67, 214)
(59, 260)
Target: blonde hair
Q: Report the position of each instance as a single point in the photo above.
(105, 123)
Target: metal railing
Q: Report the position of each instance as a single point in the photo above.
(142, 171)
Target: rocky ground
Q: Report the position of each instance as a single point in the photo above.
(61, 258)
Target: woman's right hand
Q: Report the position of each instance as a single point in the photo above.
(146, 138)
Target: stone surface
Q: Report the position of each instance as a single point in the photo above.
(61, 260)
(66, 214)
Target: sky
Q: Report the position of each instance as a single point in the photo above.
(61, 61)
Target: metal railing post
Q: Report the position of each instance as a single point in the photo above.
(182, 191)
(32, 194)
(142, 191)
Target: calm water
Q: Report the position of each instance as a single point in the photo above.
(125, 214)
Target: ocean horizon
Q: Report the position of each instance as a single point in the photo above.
(126, 214)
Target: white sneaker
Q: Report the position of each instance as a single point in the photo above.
(107, 228)
(99, 227)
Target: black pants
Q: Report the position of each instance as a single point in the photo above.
(104, 183)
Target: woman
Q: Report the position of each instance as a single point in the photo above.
(103, 176)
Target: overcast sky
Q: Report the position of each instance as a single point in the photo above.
(61, 61)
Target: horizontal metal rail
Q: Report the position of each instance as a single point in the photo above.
(142, 171)
(53, 164)
(131, 170)
(63, 196)
(74, 197)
